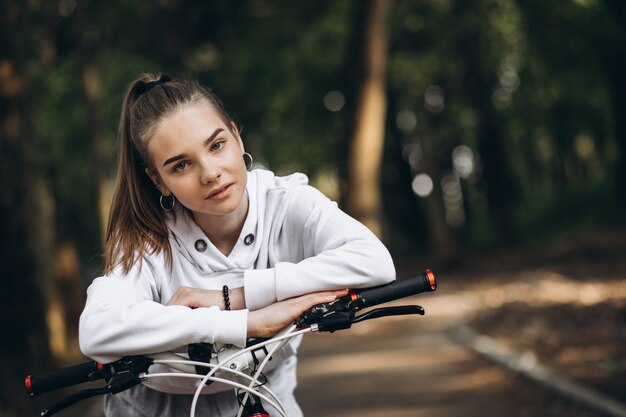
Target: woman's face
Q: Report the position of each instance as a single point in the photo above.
(199, 161)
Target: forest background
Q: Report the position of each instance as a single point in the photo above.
(451, 128)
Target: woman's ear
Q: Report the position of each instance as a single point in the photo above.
(156, 180)
(237, 135)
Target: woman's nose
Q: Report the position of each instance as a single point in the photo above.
(210, 172)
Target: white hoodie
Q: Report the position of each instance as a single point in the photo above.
(294, 241)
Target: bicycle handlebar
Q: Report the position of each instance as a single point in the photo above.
(340, 314)
(327, 317)
(73, 375)
(395, 290)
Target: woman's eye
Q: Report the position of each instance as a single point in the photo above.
(217, 145)
(180, 166)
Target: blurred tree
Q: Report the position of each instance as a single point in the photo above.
(475, 41)
(574, 112)
(519, 83)
(440, 106)
(362, 198)
(25, 214)
(423, 133)
(611, 47)
(273, 64)
(90, 45)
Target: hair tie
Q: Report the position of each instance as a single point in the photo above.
(150, 85)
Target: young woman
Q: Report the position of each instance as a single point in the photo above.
(201, 249)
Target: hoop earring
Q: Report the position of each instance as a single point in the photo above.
(171, 205)
(248, 164)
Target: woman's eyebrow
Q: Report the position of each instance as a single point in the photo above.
(206, 142)
(213, 135)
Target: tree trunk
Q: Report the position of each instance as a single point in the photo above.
(480, 77)
(366, 144)
(25, 224)
(91, 90)
(618, 101)
(612, 53)
(442, 243)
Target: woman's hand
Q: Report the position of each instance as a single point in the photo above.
(197, 297)
(268, 321)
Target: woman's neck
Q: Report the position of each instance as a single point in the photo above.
(223, 231)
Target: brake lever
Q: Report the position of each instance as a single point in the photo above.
(340, 314)
(389, 311)
(73, 399)
(126, 373)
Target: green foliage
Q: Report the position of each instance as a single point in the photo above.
(275, 85)
(273, 62)
(549, 91)
(529, 94)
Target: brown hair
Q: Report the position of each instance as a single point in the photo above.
(136, 221)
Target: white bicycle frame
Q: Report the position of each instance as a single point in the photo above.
(242, 364)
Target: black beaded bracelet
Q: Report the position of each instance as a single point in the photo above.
(226, 297)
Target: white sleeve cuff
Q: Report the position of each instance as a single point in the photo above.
(259, 288)
(231, 327)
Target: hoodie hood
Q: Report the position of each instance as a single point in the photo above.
(268, 200)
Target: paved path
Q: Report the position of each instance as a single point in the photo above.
(410, 366)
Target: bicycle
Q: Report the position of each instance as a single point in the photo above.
(246, 364)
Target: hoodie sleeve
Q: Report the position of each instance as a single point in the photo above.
(123, 316)
(319, 247)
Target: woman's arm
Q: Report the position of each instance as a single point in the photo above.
(123, 316)
(325, 249)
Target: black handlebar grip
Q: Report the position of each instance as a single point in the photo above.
(397, 289)
(76, 374)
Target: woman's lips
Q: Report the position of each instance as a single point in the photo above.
(220, 193)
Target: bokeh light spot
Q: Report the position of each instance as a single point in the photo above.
(67, 7)
(584, 146)
(463, 161)
(334, 101)
(406, 120)
(435, 99)
(422, 185)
